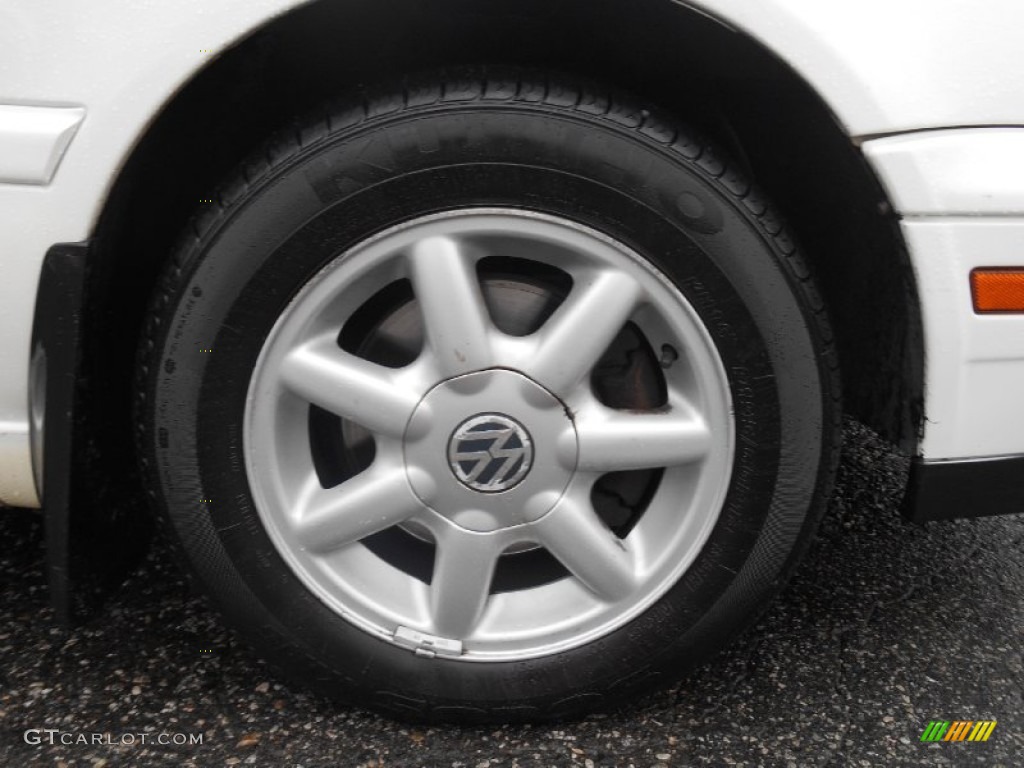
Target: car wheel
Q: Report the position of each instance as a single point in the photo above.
(488, 398)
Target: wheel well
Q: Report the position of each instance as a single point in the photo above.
(721, 81)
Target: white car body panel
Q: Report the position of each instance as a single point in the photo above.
(969, 172)
(974, 364)
(34, 140)
(883, 68)
(961, 196)
(887, 66)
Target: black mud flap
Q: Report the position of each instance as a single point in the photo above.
(954, 489)
(90, 544)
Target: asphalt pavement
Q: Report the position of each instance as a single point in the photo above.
(885, 627)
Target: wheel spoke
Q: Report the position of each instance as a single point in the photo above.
(576, 536)
(611, 441)
(564, 300)
(581, 329)
(457, 323)
(463, 566)
(370, 502)
(349, 386)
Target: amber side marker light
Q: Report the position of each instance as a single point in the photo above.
(998, 289)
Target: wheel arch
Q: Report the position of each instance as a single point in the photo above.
(725, 83)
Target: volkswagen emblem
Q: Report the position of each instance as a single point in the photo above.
(490, 452)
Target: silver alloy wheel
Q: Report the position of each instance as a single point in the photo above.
(469, 370)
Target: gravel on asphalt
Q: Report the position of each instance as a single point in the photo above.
(885, 626)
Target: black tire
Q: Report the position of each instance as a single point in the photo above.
(450, 142)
